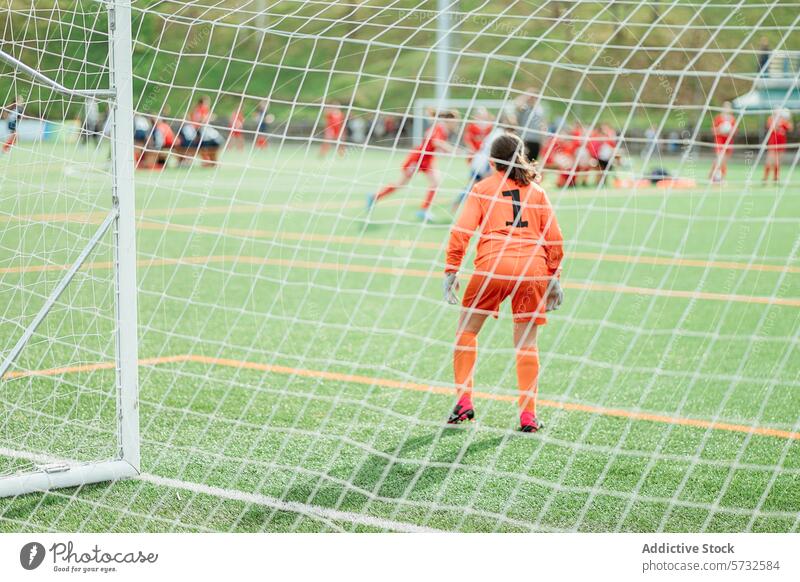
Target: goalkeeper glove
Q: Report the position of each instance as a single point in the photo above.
(450, 286)
(554, 295)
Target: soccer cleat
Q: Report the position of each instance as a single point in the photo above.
(461, 414)
(370, 201)
(425, 215)
(531, 424)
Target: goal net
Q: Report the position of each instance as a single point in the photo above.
(294, 349)
(66, 418)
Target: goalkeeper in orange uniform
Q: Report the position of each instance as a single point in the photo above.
(519, 256)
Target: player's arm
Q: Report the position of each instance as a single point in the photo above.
(460, 235)
(554, 252)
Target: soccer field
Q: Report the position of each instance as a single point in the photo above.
(296, 359)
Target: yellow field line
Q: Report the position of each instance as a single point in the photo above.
(407, 243)
(417, 387)
(97, 217)
(402, 272)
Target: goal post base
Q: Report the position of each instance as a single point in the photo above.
(65, 475)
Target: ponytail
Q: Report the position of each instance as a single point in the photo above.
(508, 154)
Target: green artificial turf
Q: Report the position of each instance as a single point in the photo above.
(298, 279)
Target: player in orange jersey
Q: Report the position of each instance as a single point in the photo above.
(201, 114)
(476, 131)
(421, 159)
(779, 124)
(519, 256)
(334, 129)
(724, 131)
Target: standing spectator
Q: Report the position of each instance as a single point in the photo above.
(389, 125)
(358, 129)
(91, 122)
(764, 55)
(724, 130)
(262, 122)
(334, 129)
(779, 124)
(532, 127)
(651, 142)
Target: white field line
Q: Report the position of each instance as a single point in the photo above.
(291, 506)
(309, 510)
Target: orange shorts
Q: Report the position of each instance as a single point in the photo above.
(528, 289)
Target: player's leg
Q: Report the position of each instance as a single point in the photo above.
(434, 179)
(527, 354)
(767, 164)
(465, 355)
(714, 164)
(776, 164)
(528, 307)
(482, 298)
(12, 138)
(405, 178)
(473, 178)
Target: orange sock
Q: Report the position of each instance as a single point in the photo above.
(464, 357)
(527, 377)
(385, 191)
(428, 199)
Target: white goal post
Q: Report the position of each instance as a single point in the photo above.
(53, 471)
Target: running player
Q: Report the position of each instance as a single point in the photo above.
(724, 131)
(334, 129)
(422, 159)
(12, 119)
(519, 256)
(779, 124)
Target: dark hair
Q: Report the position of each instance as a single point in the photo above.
(508, 154)
(446, 114)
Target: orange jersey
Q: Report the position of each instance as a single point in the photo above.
(475, 133)
(519, 231)
(200, 115)
(724, 125)
(334, 122)
(166, 133)
(778, 130)
(237, 121)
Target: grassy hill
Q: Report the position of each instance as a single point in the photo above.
(618, 61)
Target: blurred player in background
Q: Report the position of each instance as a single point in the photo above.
(237, 125)
(779, 124)
(334, 129)
(13, 116)
(201, 114)
(724, 131)
(263, 121)
(519, 256)
(530, 118)
(480, 166)
(602, 147)
(91, 120)
(476, 131)
(422, 159)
